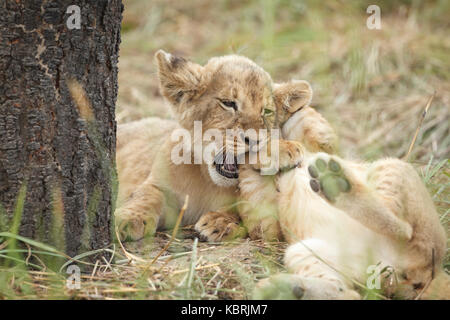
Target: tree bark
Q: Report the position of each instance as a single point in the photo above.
(65, 158)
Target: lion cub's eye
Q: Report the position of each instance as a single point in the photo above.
(267, 112)
(229, 104)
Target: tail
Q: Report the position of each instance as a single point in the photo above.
(439, 288)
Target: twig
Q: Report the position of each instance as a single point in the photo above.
(108, 266)
(215, 275)
(424, 113)
(193, 264)
(95, 268)
(28, 255)
(128, 255)
(4, 245)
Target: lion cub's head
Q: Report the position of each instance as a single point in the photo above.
(229, 92)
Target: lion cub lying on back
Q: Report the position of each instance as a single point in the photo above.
(342, 217)
(228, 93)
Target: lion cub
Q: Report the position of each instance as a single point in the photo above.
(343, 217)
(228, 93)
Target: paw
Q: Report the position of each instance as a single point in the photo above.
(268, 230)
(320, 138)
(279, 287)
(296, 287)
(219, 226)
(133, 226)
(290, 154)
(328, 178)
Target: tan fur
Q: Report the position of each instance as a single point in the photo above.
(258, 205)
(387, 217)
(152, 188)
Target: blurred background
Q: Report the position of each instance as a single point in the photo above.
(372, 85)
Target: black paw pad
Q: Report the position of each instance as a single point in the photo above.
(298, 292)
(315, 185)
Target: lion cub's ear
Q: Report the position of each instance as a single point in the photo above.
(291, 96)
(178, 77)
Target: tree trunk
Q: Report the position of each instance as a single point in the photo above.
(61, 152)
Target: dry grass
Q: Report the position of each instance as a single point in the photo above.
(185, 270)
(372, 85)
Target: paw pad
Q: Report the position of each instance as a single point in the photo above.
(321, 165)
(298, 292)
(328, 178)
(334, 166)
(314, 185)
(279, 287)
(313, 172)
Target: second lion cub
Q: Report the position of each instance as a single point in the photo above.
(342, 217)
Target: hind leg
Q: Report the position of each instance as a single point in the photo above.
(370, 201)
(311, 277)
(389, 178)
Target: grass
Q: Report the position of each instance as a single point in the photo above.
(372, 85)
(187, 269)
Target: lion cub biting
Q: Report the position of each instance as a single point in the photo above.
(229, 92)
(341, 217)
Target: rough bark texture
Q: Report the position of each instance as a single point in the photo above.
(44, 141)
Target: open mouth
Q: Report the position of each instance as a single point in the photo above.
(228, 168)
